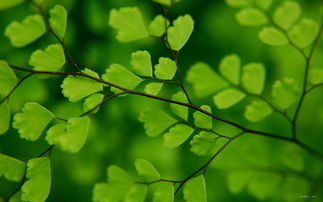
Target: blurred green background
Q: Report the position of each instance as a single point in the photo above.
(117, 137)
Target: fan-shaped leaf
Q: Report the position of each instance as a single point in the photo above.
(237, 180)
(5, 117)
(180, 32)
(230, 68)
(264, 4)
(287, 14)
(304, 33)
(316, 76)
(119, 75)
(195, 190)
(76, 88)
(237, 3)
(205, 81)
(203, 143)
(153, 88)
(30, 29)
(165, 69)
(8, 79)
(157, 26)
(11, 168)
(141, 63)
(146, 170)
(201, 120)
(272, 36)
(137, 193)
(180, 111)
(164, 192)
(155, 120)
(164, 2)
(37, 187)
(285, 92)
(51, 59)
(177, 135)
(263, 184)
(5, 4)
(228, 98)
(251, 17)
(253, 77)
(57, 20)
(129, 23)
(32, 121)
(257, 110)
(92, 101)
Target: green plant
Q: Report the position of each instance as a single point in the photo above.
(292, 165)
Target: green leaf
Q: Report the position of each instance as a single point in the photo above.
(251, 17)
(237, 180)
(180, 111)
(195, 190)
(304, 33)
(5, 4)
(92, 101)
(146, 170)
(32, 121)
(263, 184)
(293, 187)
(165, 69)
(228, 97)
(253, 78)
(11, 168)
(155, 120)
(177, 135)
(293, 157)
(153, 88)
(137, 193)
(30, 29)
(16, 197)
(70, 136)
(205, 81)
(117, 174)
(5, 117)
(119, 75)
(230, 68)
(257, 110)
(180, 32)
(201, 120)
(203, 143)
(106, 192)
(129, 23)
(285, 92)
(264, 4)
(8, 79)
(157, 26)
(316, 76)
(51, 59)
(141, 63)
(57, 20)
(286, 14)
(237, 3)
(272, 36)
(164, 192)
(76, 88)
(164, 2)
(37, 186)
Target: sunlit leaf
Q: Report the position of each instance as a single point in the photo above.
(203, 143)
(164, 2)
(76, 88)
(164, 192)
(304, 33)
(251, 17)
(286, 14)
(285, 92)
(92, 101)
(230, 68)
(119, 75)
(205, 81)
(5, 4)
(137, 193)
(228, 98)
(146, 170)
(264, 4)
(179, 110)
(32, 121)
(129, 23)
(155, 120)
(153, 88)
(8, 79)
(51, 59)
(201, 120)
(5, 117)
(141, 63)
(195, 190)
(237, 3)
(180, 32)
(57, 20)
(165, 69)
(253, 77)
(30, 29)
(177, 135)
(257, 110)
(11, 168)
(272, 36)
(37, 186)
(316, 76)
(157, 26)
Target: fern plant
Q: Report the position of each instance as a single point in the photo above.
(270, 166)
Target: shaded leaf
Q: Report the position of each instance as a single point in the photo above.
(177, 135)
(201, 120)
(179, 110)
(237, 180)
(237, 3)
(257, 110)
(5, 4)
(8, 78)
(11, 168)
(5, 117)
(304, 33)
(153, 88)
(137, 193)
(230, 68)
(316, 76)
(228, 98)
(263, 185)
(285, 92)
(164, 192)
